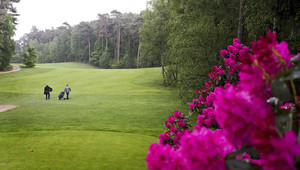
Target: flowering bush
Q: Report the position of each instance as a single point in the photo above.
(248, 114)
(204, 105)
(177, 126)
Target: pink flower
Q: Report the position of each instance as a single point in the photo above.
(177, 114)
(245, 57)
(283, 50)
(252, 80)
(224, 53)
(179, 134)
(262, 136)
(236, 40)
(287, 106)
(230, 71)
(238, 46)
(191, 105)
(207, 123)
(173, 129)
(210, 99)
(194, 104)
(229, 62)
(163, 137)
(221, 72)
(282, 157)
(186, 131)
(205, 149)
(181, 123)
(243, 156)
(232, 49)
(200, 120)
(197, 127)
(175, 139)
(167, 124)
(265, 50)
(210, 112)
(256, 162)
(171, 120)
(232, 56)
(213, 75)
(160, 157)
(236, 115)
(227, 85)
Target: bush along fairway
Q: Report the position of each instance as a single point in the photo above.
(109, 121)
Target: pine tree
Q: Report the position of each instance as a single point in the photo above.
(30, 57)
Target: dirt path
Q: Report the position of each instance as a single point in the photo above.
(5, 107)
(14, 69)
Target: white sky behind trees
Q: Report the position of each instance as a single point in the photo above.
(45, 14)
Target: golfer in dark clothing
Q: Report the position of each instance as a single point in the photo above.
(47, 91)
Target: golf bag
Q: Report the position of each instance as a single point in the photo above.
(61, 95)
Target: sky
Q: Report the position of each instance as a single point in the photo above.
(45, 14)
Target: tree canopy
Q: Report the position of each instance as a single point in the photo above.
(7, 26)
(183, 37)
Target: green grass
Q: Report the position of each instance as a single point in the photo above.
(109, 122)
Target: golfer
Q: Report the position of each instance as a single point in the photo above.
(67, 91)
(47, 91)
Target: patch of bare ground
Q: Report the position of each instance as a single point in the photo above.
(14, 69)
(6, 107)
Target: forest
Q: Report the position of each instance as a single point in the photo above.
(183, 37)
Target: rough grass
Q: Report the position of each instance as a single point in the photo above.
(109, 122)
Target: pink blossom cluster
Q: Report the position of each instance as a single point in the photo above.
(239, 112)
(287, 106)
(282, 153)
(247, 157)
(177, 127)
(268, 53)
(237, 116)
(203, 149)
(243, 113)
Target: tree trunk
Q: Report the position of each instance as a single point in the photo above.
(89, 51)
(241, 20)
(106, 43)
(102, 44)
(163, 72)
(128, 50)
(115, 49)
(118, 44)
(138, 54)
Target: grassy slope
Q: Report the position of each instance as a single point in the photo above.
(109, 122)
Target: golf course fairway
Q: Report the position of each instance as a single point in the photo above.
(110, 120)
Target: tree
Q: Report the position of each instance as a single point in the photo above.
(112, 39)
(117, 28)
(64, 47)
(154, 33)
(30, 57)
(281, 16)
(7, 8)
(241, 20)
(7, 44)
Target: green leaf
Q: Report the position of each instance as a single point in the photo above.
(294, 73)
(255, 167)
(245, 148)
(280, 90)
(238, 165)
